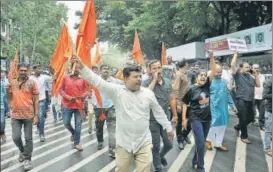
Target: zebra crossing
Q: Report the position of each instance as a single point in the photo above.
(57, 153)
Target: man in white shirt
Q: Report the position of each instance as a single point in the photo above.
(133, 104)
(259, 96)
(41, 81)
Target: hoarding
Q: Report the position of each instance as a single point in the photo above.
(257, 39)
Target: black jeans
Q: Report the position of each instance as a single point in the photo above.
(181, 133)
(110, 117)
(246, 116)
(260, 106)
(157, 132)
(16, 136)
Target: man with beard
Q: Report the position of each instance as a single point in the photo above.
(74, 91)
(41, 80)
(220, 99)
(107, 110)
(23, 97)
(245, 87)
(162, 88)
(133, 104)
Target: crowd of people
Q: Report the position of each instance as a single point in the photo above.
(140, 108)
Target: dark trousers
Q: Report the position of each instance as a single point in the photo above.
(260, 106)
(181, 134)
(110, 118)
(157, 132)
(200, 132)
(16, 125)
(246, 116)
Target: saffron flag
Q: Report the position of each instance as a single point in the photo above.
(86, 37)
(63, 51)
(137, 53)
(13, 71)
(163, 55)
(97, 59)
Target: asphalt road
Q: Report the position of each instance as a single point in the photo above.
(56, 154)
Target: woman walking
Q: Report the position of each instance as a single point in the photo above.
(198, 97)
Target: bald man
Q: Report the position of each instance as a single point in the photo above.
(220, 99)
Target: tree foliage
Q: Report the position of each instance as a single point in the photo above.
(39, 25)
(175, 22)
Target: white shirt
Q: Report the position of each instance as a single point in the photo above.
(259, 90)
(132, 112)
(41, 81)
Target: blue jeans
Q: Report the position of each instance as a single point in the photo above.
(6, 105)
(41, 123)
(3, 121)
(54, 112)
(200, 131)
(268, 130)
(67, 115)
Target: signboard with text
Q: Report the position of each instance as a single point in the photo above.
(237, 44)
(257, 39)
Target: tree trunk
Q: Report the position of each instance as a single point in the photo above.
(34, 46)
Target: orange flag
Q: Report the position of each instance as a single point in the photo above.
(163, 55)
(97, 59)
(63, 50)
(119, 75)
(137, 53)
(13, 71)
(87, 33)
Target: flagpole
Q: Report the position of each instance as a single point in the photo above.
(78, 51)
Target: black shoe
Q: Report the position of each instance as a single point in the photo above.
(164, 161)
(181, 146)
(112, 153)
(100, 144)
(237, 131)
(187, 140)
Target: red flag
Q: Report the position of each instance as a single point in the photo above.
(137, 53)
(63, 50)
(87, 33)
(163, 55)
(13, 71)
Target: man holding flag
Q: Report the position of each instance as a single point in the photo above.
(74, 90)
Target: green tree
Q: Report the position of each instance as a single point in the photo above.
(175, 22)
(39, 25)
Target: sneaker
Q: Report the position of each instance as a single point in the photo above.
(27, 165)
(90, 130)
(187, 140)
(78, 147)
(100, 144)
(21, 157)
(180, 145)
(42, 138)
(164, 161)
(112, 153)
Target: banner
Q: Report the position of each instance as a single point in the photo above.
(237, 44)
(257, 39)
